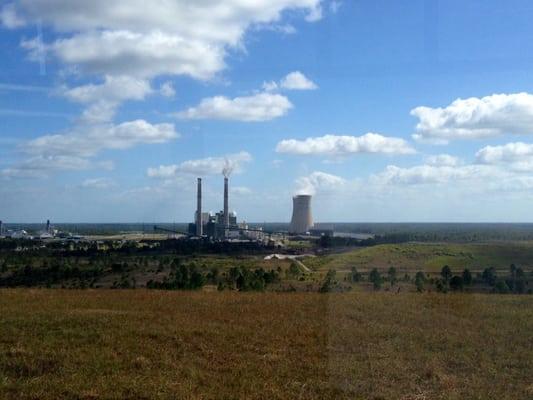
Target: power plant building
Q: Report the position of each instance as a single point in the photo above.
(302, 219)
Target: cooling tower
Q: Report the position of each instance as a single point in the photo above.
(302, 219)
(199, 222)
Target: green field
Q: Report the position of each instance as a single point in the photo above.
(102, 344)
(431, 257)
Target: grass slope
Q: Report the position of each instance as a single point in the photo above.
(431, 257)
(148, 344)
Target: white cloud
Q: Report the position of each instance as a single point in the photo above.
(443, 160)
(202, 167)
(41, 166)
(334, 145)
(258, 107)
(427, 174)
(90, 140)
(475, 118)
(167, 90)
(98, 183)
(318, 181)
(145, 39)
(297, 81)
(104, 99)
(9, 17)
(517, 156)
(292, 81)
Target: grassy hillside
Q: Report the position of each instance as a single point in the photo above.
(97, 344)
(431, 257)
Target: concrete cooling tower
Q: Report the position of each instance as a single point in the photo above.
(302, 219)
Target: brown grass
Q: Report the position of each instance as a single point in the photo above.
(165, 345)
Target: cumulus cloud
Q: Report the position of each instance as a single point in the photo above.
(75, 150)
(427, 174)
(475, 118)
(318, 181)
(145, 39)
(334, 145)
(297, 81)
(517, 156)
(201, 167)
(258, 107)
(89, 141)
(104, 99)
(292, 81)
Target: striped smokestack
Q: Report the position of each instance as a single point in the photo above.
(199, 222)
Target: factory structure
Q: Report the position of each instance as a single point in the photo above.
(222, 225)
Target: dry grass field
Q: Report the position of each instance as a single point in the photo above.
(105, 344)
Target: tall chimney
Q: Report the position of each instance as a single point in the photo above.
(1, 228)
(199, 222)
(226, 207)
(48, 226)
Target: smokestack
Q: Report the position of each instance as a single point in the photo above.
(226, 206)
(302, 219)
(48, 226)
(1, 228)
(199, 227)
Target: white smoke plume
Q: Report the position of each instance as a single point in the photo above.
(318, 181)
(228, 168)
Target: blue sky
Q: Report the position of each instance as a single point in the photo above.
(383, 110)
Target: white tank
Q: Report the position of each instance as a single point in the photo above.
(302, 219)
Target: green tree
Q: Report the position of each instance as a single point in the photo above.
(420, 279)
(446, 273)
(328, 282)
(467, 277)
(392, 275)
(375, 278)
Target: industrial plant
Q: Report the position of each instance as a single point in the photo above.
(219, 226)
(222, 225)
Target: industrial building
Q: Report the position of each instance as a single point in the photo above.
(222, 225)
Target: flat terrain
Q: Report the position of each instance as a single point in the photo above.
(101, 344)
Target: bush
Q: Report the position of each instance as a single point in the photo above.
(501, 287)
(441, 286)
(355, 276)
(489, 276)
(456, 283)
